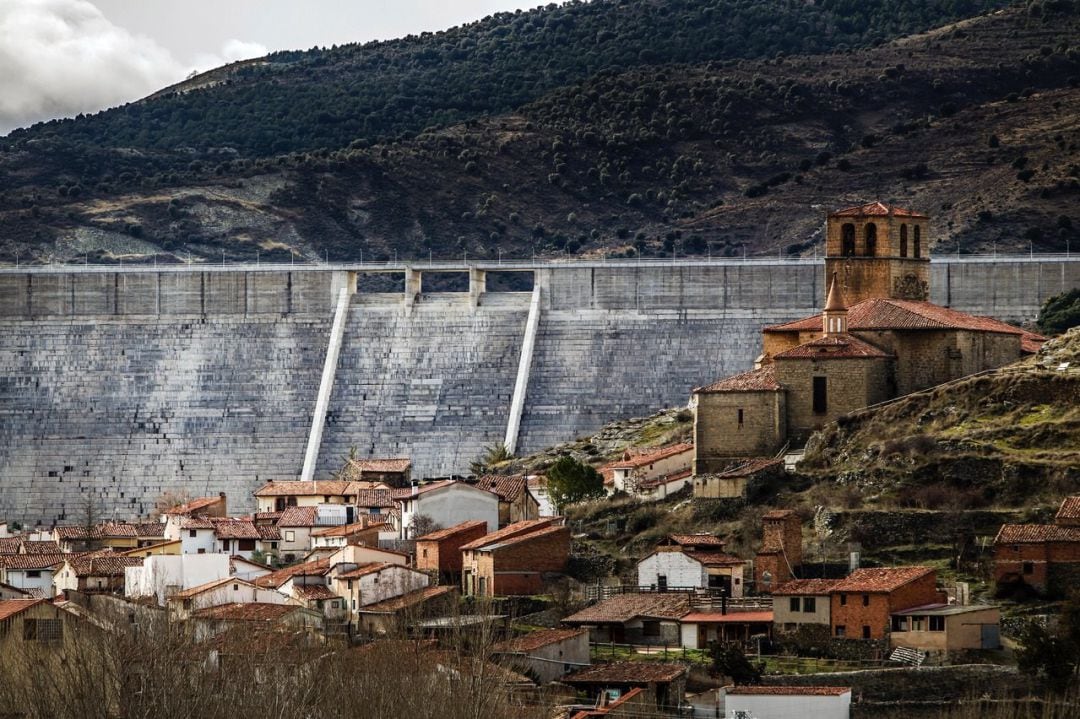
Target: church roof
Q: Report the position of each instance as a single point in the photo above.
(877, 209)
(838, 346)
(758, 380)
(881, 313)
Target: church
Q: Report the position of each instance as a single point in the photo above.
(879, 337)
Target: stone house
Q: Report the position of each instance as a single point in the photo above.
(801, 602)
(439, 552)
(446, 503)
(863, 603)
(632, 618)
(682, 565)
(637, 466)
(1044, 558)
(546, 654)
(793, 701)
(393, 472)
(36, 621)
(780, 555)
(362, 532)
(376, 582)
(877, 338)
(106, 535)
(396, 615)
(945, 628)
(515, 560)
(228, 590)
(516, 502)
(741, 477)
(252, 617)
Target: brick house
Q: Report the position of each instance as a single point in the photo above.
(516, 559)
(801, 602)
(1044, 558)
(439, 552)
(392, 471)
(516, 502)
(862, 604)
(781, 549)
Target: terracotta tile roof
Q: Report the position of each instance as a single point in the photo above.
(624, 607)
(665, 479)
(716, 559)
(267, 516)
(527, 537)
(374, 498)
(148, 530)
(701, 539)
(31, 561)
(883, 579)
(276, 579)
(296, 488)
(10, 607)
(313, 592)
(343, 530)
(789, 691)
(16, 590)
(757, 380)
(440, 534)
(1069, 512)
(882, 313)
(40, 547)
(248, 612)
(235, 529)
(745, 468)
(113, 565)
(509, 487)
(448, 661)
(200, 588)
(511, 530)
(653, 455)
(408, 492)
(730, 618)
(626, 673)
(877, 209)
(106, 530)
(365, 569)
(1031, 343)
(196, 523)
(10, 545)
(298, 517)
(1030, 534)
(388, 465)
(535, 640)
(268, 533)
(411, 599)
(838, 346)
(804, 587)
(194, 506)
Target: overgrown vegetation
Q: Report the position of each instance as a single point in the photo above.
(1060, 312)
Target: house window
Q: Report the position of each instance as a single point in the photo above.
(1029, 567)
(334, 604)
(33, 573)
(918, 624)
(937, 624)
(866, 600)
(661, 582)
(192, 533)
(847, 240)
(290, 536)
(794, 605)
(865, 631)
(809, 605)
(236, 587)
(202, 550)
(899, 624)
(821, 402)
(843, 600)
(650, 629)
(42, 630)
(740, 417)
(841, 630)
(423, 553)
(918, 242)
(246, 545)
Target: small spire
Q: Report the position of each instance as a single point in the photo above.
(835, 300)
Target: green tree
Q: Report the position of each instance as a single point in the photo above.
(1053, 653)
(728, 660)
(570, 481)
(1060, 312)
(493, 456)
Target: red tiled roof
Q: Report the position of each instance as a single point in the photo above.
(296, 488)
(839, 346)
(106, 530)
(374, 498)
(509, 487)
(145, 530)
(276, 579)
(805, 587)
(526, 537)
(196, 523)
(730, 617)
(883, 313)
(1069, 510)
(200, 588)
(653, 455)
(716, 559)
(665, 479)
(10, 607)
(409, 492)
(789, 691)
(32, 561)
(10, 545)
(313, 592)
(440, 534)
(624, 607)
(627, 673)
(702, 539)
(525, 526)
(194, 505)
(877, 209)
(757, 380)
(390, 464)
(298, 517)
(40, 547)
(365, 569)
(112, 565)
(410, 599)
(884, 579)
(235, 529)
(343, 530)
(1030, 534)
(268, 533)
(535, 640)
(248, 612)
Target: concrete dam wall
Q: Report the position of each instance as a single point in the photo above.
(120, 385)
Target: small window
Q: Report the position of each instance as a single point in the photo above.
(847, 240)
(866, 600)
(423, 553)
(661, 582)
(794, 604)
(1029, 567)
(809, 605)
(841, 630)
(899, 624)
(937, 624)
(740, 417)
(42, 630)
(650, 629)
(290, 536)
(866, 631)
(843, 600)
(236, 587)
(192, 533)
(821, 400)
(334, 604)
(245, 545)
(202, 550)
(33, 573)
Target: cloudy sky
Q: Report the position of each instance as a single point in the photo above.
(62, 57)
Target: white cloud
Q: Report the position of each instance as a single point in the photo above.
(62, 57)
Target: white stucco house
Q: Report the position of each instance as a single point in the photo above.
(761, 702)
(33, 573)
(161, 576)
(229, 590)
(376, 582)
(446, 503)
(687, 565)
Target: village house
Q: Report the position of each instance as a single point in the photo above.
(392, 472)
(397, 615)
(161, 576)
(252, 617)
(878, 337)
(658, 488)
(863, 603)
(32, 573)
(196, 534)
(295, 527)
(22, 545)
(516, 502)
(83, 538)
(692, 562)
(277, 496)
(664, 682)
(538, 489)
(700, 628)
(439, 552)
(515, 560)
(1040, 558)
(634, 618)
(316, 596)
(637, 466)
(169, 546)
(362, 532)
(102, 571)
(237, 537)
(444, 504)
(149, 534)
(943, 628)
(199, 507)
(247, 569)
(780, 555)
(376, 582)
(546, 654)
(9, 592)
(802, 602)
(36, 621)
(740, 479)
(228, 590)
(788, 701)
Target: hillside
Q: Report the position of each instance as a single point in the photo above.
(974, 123)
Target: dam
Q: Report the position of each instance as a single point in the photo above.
(121, 384)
